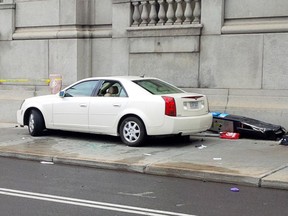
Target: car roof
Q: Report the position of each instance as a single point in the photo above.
(131, 78)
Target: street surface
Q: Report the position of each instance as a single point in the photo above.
(44, 188)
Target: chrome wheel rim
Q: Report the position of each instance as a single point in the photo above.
(31, 123)
(131, 131)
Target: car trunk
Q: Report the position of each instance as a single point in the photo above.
(189, 104)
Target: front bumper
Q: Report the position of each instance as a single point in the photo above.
(20, 119)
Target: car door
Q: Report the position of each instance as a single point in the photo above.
(106, 107)
(71, 111)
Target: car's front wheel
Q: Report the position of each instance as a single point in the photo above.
(36, 123)
(132, 131)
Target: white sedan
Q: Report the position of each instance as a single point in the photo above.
(130, 107)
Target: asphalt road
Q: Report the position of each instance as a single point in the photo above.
(33, 188)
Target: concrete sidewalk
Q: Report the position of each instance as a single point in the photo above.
(206, 158)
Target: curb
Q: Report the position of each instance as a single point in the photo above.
(153, 170)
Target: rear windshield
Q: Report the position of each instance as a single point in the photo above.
(157, 87)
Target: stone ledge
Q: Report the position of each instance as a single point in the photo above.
(22, 91)
(265, 105)
(12, 96)
(244, 26)
(165, 31)
(61, 33)
(247, 98)
(4, 5)
(121, 1)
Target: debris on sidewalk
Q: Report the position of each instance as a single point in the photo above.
(201, 146)
(284, 140)
(246, 127)
(229, 135)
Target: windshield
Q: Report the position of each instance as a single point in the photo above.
(157, 87)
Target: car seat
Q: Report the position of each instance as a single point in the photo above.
(112, 91)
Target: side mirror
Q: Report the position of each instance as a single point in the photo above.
(62, 94)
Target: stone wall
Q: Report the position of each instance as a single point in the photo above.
(233, 51)
(243, 58)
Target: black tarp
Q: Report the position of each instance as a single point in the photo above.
(246, 127)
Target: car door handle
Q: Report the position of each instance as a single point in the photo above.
(117, 105)
(83, 105)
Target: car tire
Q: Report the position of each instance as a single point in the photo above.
(132, 131)
(36, 123)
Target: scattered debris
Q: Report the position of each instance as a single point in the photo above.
(217, 159)
(229, 135)
(201, 146)
(234, 189)
(180, 204)
(284, 140)
(144, 195)
(47, 162)
(246, 127)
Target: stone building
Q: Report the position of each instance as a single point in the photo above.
(233, 51)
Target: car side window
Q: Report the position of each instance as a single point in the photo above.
(112, 88)
(83, 89)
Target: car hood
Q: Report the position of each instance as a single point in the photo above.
(42, 98)
(47, 96)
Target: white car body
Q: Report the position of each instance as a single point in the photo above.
(103, 115)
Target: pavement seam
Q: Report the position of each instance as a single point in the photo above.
(271, 173)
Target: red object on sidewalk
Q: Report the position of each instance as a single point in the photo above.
(229, 135)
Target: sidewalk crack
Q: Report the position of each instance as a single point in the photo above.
(271, 173)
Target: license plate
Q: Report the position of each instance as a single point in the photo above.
(191, 105)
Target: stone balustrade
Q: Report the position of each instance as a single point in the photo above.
(165, 12)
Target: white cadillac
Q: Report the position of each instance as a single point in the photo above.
(130, 107)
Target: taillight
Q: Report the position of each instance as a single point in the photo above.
(170, 106)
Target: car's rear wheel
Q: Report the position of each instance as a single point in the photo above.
(132, 131)
(36, 123)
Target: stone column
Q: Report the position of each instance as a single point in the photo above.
(161, 13)
(153, 13)
(188, 12)
(179, 12)
(197, 12)
(121, 20)
(144, 14)
(170, 13)
(136, 14)
(7, 19)
(212, 16)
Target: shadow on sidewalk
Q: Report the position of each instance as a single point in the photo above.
(158, 141)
